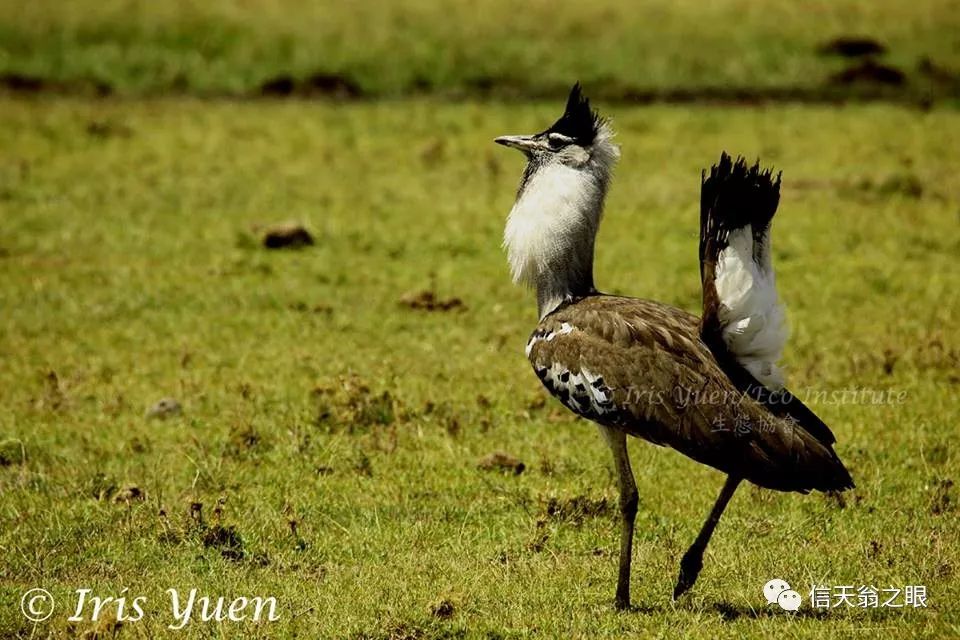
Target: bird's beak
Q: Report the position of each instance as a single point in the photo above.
(523, 143)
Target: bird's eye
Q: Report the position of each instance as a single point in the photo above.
(558, 141)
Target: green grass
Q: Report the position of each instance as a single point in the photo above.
(226, 46)
(129, 272)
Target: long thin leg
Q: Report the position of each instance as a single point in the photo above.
(629, 499)
(692, 560)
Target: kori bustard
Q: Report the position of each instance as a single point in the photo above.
(709, 387)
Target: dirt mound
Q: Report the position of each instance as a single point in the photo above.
(852, 47)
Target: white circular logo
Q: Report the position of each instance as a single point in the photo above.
(773, 589)
(789, 600)
(36, 605)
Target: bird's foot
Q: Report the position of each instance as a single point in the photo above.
(622, 601)
(690, 567)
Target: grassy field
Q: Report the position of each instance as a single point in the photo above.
(328, 444)
(328, 447)
(618, 48)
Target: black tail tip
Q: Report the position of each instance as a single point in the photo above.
(736, 193)
(738, 171)
(840, 479)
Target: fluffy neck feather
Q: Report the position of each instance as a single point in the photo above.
(551, 229)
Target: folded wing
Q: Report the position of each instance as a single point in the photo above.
(640, 366)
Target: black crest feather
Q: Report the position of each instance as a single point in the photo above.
(578, 120)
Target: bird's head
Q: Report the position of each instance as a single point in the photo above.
(577, 138)
(550, 232)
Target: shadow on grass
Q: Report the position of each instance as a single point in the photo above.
(730, 612)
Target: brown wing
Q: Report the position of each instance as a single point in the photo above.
(641, 366)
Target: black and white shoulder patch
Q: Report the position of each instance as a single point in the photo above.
(579, 389)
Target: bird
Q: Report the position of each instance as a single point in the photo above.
(710, 387)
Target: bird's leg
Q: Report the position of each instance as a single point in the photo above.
(628, 510)
(692, 560)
